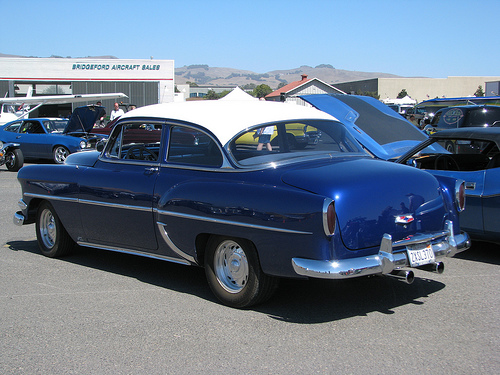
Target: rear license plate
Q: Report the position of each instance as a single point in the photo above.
(420, 257)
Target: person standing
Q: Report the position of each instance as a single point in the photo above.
(264, 135)
(116, 112)
(100, 122)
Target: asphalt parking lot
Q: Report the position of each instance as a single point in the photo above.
(96, 312)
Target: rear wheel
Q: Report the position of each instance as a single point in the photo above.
(14, 160)
(53, 240)
(60, 154)
(234, 274)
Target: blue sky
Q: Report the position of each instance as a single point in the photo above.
(430, 38)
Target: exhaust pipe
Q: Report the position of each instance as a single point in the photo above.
(405, 275)
(437, 267)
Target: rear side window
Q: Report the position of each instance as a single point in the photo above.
(14, 127)
(193, 147)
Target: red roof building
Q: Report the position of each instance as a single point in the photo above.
(306, 86)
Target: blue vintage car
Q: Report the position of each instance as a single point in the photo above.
(178, 182)
(471, 154)
(54, 138)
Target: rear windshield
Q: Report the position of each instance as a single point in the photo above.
(277, 142)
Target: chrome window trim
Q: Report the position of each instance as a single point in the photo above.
(229, 222)
(144, 163)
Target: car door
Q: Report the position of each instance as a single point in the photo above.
(34, 140)
(117, 193)
(472, 218)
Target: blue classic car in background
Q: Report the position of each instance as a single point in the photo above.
(54, 138)
(396, 139)
(476, 160)
(179, 182)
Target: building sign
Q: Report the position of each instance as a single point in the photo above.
(85, 66)
(54, 69)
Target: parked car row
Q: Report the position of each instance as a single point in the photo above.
(50, 138)
(349, 190)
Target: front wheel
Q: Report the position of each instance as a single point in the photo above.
(14, 160)
(60, 154)
(52, 238)
(234, 274)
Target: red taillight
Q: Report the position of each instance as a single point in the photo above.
(329, 217)
(460, 195)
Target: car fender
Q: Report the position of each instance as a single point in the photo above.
(60, 189)
(282, 222)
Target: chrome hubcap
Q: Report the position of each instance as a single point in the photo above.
(48, 230)
(60, 155)
(231, 266)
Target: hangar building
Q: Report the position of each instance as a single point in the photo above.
(419, 89)
(143, 81)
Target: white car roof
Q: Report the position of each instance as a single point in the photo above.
(227, 118)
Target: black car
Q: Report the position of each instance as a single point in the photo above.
(477, 116)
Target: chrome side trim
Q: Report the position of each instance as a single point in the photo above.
(229, 222)
(385, 261)
(90, 202)
(115, 205)
(163, 231)
(133, 252)
(53, 197)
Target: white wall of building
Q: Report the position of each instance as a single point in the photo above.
(422, 89)
(115, 70)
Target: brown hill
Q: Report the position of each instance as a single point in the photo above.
(206, 75)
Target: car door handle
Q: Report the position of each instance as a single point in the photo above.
(470, 185)
(151, 170)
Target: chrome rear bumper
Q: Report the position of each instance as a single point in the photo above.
(386, 261)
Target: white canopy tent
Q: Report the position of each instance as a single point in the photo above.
(237, 95)
(403, 101)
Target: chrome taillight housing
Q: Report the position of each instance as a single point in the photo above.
(460, 195)
(329, 216)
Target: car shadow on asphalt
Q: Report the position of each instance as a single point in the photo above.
(295, 301)
(484, 252)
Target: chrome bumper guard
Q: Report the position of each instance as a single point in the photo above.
(386, 261)
(19, 216)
